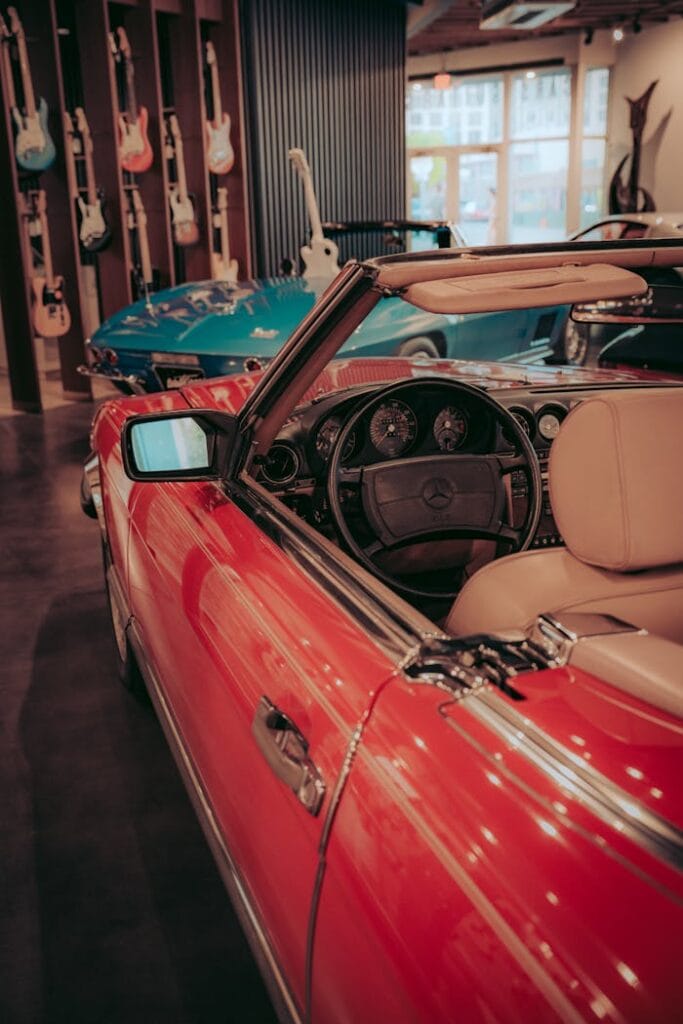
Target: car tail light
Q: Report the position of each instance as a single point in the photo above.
(252, 363)
(93, 354)
(110, 356)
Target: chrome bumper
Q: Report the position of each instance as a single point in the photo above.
(135, 383)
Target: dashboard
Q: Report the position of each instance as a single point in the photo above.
(430, 420)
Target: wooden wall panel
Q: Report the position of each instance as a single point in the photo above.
(328, 78)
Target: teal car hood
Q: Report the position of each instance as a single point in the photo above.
(213, 317)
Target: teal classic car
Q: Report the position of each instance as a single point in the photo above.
(213, 328)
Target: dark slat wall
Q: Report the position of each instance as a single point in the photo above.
(326, 76)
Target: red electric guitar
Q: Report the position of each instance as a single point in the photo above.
(135, 150)
(220, 155)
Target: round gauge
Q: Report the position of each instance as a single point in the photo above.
(281, 464)
(393, 428)
(328, 434)
(523, 422)
(549, 425)
(450, 428)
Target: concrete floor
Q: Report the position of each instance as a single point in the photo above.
(111, 907)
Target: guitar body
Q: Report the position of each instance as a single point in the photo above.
(33, 146)
(51, 316)
(93, 233)
(321, 258)
(220, 156)
(185, 230)
(135, 149)
(222, 270)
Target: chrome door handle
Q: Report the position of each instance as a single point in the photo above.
(286, 751)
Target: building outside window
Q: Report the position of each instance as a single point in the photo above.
(494, 153)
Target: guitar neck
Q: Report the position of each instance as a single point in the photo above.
(90, 185)
(180, 168)
(216, 90)
(27, 83)
(47, 251)
(223, 225)
(312, 206)
(131, 101)
(9, 76)
(143, 241)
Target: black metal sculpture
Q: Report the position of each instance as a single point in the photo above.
(631, 197)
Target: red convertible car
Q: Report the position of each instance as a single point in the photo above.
(414, 630)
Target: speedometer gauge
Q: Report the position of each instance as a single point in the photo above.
(393, 428)
(450, 428)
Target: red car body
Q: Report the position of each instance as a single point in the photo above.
(450, 876)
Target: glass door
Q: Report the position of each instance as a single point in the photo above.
(478, 214)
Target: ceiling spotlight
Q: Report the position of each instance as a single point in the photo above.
(588, 38)
(618, 35)
(531, 74)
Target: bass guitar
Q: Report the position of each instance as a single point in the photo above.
(322, 255)
(93, 232)
(220, 155)
(185, 230)
(222, 267)
(51, 316)
(135, 149)
(33, 147)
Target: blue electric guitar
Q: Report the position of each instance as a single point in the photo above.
(33, 147)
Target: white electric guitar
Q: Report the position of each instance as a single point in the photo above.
(220, 155)
(185, 230)
(222, 267)
(321, 257)
(93, 231)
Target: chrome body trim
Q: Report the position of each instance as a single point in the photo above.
(283, 1001)
(558, 633)
(605, 799)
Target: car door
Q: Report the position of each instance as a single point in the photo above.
(230, 619)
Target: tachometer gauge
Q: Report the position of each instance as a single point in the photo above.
(327, 436)
(393, 428)
(549, 425)
(450, 428)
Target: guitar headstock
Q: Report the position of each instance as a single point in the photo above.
(17, 29)
(124, 45)
(4, 31)
(174, 126)
(298, 158)
(114, 46)
(222, 198)
(210, 53)
(82, 122)
(40, 201)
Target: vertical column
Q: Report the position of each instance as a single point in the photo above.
(39, 19)
(99, 90)
(14, 294)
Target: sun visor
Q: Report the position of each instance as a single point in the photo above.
(549, 286)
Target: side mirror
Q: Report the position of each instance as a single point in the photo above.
(192, 445)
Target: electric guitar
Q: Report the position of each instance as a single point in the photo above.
(33, 147)
(220, 155)
(185, 230)
(222, 267)
(322, 255)
(93, 231)
(135, 150)
(143, 274)
(51, 316)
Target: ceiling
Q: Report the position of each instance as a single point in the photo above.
(458, 25)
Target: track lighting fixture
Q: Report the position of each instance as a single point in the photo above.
(588, 38)
(637, 27)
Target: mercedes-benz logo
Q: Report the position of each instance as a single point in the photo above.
(437, 493)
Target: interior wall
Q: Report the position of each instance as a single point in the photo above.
(328, 78)
(655, 53)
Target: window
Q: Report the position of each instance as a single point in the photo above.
(594, 145)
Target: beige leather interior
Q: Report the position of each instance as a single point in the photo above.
(616, 489)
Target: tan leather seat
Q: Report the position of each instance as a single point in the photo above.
(616, 489)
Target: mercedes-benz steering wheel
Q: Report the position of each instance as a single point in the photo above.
(433, 497)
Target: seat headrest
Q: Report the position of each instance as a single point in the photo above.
(616, 479)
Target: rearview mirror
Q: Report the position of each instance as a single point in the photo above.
(177, 445)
